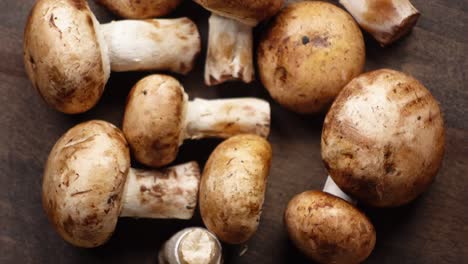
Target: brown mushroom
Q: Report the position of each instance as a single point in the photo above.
(88, 184)
(383, 138)
(230, 41)
(232, 188)
(68, 55)
(158, 117)
(139, 9)
(385, 20)
(309, 53)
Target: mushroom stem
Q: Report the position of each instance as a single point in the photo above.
(230, 47)
(386, 20)
(191, 245)
(224, 118)
(153, 44)
(333, 189)
(169, 193)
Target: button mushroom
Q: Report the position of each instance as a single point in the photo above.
(309, 53)
(193, 245)
(383, 138)
(230, 40)
(158, 117)
(232, 188)
(140, 8)
(88, 184)
(68, 55)
(385, 20)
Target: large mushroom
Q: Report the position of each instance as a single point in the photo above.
(158, 117)
(230, 40)
(383, 138)
(309, 53)
(138, 9)
(88, 184)
(68, 55)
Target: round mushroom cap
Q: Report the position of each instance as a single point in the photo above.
(154, 119)
(249, 12)
(83, 182)
(309, 53)
(328, 229)
(64, 55)
(383, 138)
(138, 9)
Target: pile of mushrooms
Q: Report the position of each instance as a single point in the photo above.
(382, 141)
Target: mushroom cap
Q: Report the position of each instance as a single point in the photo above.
(308, 54)
(154, 119)
(383, 138)
(233, 185)
(64, 55)
(83, 182)
(249, 12)
(328, 229)
(138, 9)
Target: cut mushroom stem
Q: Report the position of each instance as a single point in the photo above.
(385, 20)
(224, 118)
(230, 47)
(333, 189)
(169, 193)
(191, 245)
(162, 44)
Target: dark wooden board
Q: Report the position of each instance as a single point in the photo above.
(432, 229)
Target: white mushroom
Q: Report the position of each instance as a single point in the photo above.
(139, 9)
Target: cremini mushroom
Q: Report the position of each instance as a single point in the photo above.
(88, 184)
(311, 50)
(232, 188)
(385, 20)
(158, 117)
(383, 138)
(139, 9)
(230, 41)
(68, 55)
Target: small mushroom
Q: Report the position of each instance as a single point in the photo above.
(230, 40)
(158, 117)
(68, 55)
(138, 9)
(383, 138)
(232, 188)
(309, 53)
(193, 245)
(328, 229)
(385, 20)
(88, 184)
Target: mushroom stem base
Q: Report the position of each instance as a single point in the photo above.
(333, 189)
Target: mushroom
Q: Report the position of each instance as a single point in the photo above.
(68, 55)
(233, 185)
(383, 138)
(230, 40)
(88, 184)
(193, 245)
(158, 117)
(328, 229)
(308, 54)
(385, 20)
(139, 9)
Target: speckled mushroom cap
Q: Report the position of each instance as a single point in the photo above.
(83, 182)
(140, 8)
(383, 138)
(328, 229)
(64, 54)
(308, 54)
(246, 11)
(154, 119)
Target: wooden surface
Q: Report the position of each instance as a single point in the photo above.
(432, 229)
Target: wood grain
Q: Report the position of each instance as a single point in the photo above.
(432, 229)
